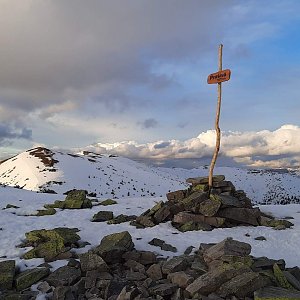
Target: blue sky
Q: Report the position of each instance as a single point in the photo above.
(74, 74)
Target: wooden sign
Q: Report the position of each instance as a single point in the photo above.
(218, 77)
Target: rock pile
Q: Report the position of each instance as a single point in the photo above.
(193, 209)
(114, 270)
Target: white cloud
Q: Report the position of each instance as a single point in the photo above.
(278, 148)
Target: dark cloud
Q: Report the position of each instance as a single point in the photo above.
(148, 123)
(8, 133)
(162, 145)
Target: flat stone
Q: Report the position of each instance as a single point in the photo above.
(30, 277)
(241, 215)
(226, 247)
(192, 201)
(264, 263)
(292, 280)
(64, 276)
(210, 206)
(146, 221)
(243, 285)
(174, 264)
(135, 276)
(143, 257)
(280, 278)
(184, 217)
(276, 293)
(91, 261)
(162, 215)
(230, 201)
(204, 180)
(7, 268)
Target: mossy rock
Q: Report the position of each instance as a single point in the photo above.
(280, 278)
(237, 261)
(279, 223)
(200, 187)
(87, 203)
(108, 202)
(191, 226)
(76, 195)
(210, 207)
(46, 212)
(50, 243)
(30, 277)
(119, 219)
(56, 204)
(193, 200)
(11, 206)
(155, 208)
(7, 272)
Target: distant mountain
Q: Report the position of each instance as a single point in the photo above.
(45, 170)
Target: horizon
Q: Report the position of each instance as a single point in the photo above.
(131, 80)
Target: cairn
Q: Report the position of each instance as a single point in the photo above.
(195, 209)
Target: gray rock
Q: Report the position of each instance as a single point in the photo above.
(260, 238)
(292, 280)
(44, 287)
(135, 276)
(29, 277)
(135, 266)
(264, 263)
(162, 215)
(91, 261)
(226, 247)
(165, 289)
(176, 196)
(174, 264)
(276, 293)
(102, 216)
(128, 293)
(64, 276)
(241, 215)
(114, 245)
(146, 221)
(243, 285)
(204, 180)
(63, 293)
(294, 271)
(26, 295)
(143, 257)
(163, 245)
(154, 272)
(7, 268)
(210, 207)
(230, 201)
(212, 280)
(181, 279)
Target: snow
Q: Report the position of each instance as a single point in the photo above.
(279, 244)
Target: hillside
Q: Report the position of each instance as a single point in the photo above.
(41, 169)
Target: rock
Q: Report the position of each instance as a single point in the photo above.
(184, 217)
(192, 201)
(280, 278)
(241, 215)
(163, 245)
(90, 261)
(63, 293)
(50, 243)
(243, 285)
(174, 264)
(95, 278)
(44, 287)
(260, 238)
(163, 214)
(135, 266)
(114, 245)
(29, 277)
(282, 224)
(154, 209)
(292, 280)
(154, 272)
(190, 226)
(210, 206)
(264, 263)
(64, 276)
(121, 219)
(181, 279)
(226, 247)
(108, 202)
(165, 289)
(128, 293)
(199, 187)
(204, 180)
(229, 201)
(26, 295)
(294, 271)
(46, 212)
(7, 274)
(135, 276)
(143, 257)
(176, 196)
(212, 280)
(276, 293)
(145, 221)
(102, 216)
(188, 250)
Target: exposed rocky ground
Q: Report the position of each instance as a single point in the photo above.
(114, 270)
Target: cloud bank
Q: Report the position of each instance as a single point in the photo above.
(271, 149)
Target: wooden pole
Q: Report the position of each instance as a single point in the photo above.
(218, 131)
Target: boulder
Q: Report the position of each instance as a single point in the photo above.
(204, 180)
(175, 264)
(264, 263)
(7, 274)
(154, 272)
(226, 247)
(229, 201)
(191, 226)
(176, 195)
(114, 245)
(102, 216)
(30, 277)
(145, 221)
(210, 207)
(280, 278)
(181, 279)
(108, 202)
(162, 215)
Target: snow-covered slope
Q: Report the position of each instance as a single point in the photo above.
(41, 169)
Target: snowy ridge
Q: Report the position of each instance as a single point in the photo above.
(41, 169)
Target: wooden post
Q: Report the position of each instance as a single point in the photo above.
(218, 131)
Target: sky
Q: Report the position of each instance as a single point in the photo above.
(129, 77)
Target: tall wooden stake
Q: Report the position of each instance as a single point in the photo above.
(218, 131)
